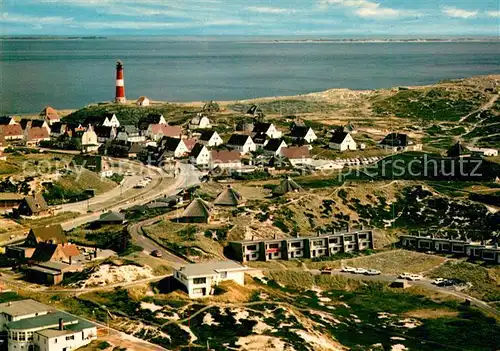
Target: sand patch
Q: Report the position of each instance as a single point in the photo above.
(150, 306)
(262, 342)
(431, 313)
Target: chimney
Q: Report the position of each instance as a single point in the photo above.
(120, 85)
(95, 253)
(70, 259)
(61, 324)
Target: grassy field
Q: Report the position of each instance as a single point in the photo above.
(43, 221)
(27, 163)
(289, 106)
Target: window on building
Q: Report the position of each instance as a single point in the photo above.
(29, 335)
(363, 236)
(55, 341)
(199, 280)
(252, 247)
(14, 336)
(297, 244)
(348, 238)
(318, 242)
(223, 275)
(274, 246)
(22, 336)
(334, 240)
(70, 337)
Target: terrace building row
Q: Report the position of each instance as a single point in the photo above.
(302, 247)
(490, 253)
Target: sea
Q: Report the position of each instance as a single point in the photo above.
(69, 73)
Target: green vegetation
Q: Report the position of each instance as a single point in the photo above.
(434, 104)
(112, 237)
(289, 106)
(131, 114)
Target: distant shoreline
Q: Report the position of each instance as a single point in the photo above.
(50, 38)
(361, 41)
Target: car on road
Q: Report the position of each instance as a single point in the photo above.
(438, 281)
(373, 272)
(348, 269)
(129, 173)
(326, 270)
(156, 253)
(404, 276)
(414, 277)
(360, 271)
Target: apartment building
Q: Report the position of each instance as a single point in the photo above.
(490, 253)
(302, 247)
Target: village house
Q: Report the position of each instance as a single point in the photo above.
(199, 279)
(109, 120)
(35, 327)
(399, 142)
(134, 149)
(200, 155)
(152, 118)
(225, 159)
(297, 155)
(169, 147)
(256, 112)
(157, 131)
(274, 147)
(105, 133)
(12, 132)
(111, 217)
(210, 107)
(52, 234)
(33, 206)
(268, 129)
(190, 143)
(50, 115)
(245, 126)
(131, 134)
(143, 101)
(57, 129)
(47, 252)
(260, 140)
(10, 200)
(302, 247)
(302, 135)
(33, 136)
(484, 152)
(93, 163)
(90, 142)
(342, 141)
(210, 138)
(200, 121)
(241, 143)
(27, 124)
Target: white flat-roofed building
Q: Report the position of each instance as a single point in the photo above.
(17, 310)
(199, 279)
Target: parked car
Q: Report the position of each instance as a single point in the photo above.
(326, 270)
(360, 271)
(156, 253)
(414, 277)
(438, 281)
(373, 272)
(404, 276)
(348, 269)
(129, 173)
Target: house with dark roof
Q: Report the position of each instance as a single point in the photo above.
(268, 129)
(111, 217)
(171, 147)
(7, 120)
(399, 142)
(52, 234)
(255, 111)
(241, 143)
(64, 253)
(152, 118)
(27, 123)
(260, 140)
(33, 206)
(302, 134)
(105, 133)
(108, 120)
(210, 138)
(93, 163)
(200, 155)
(198, 211)
(287, 185)
(143, 101)
(342, 141)
(57, 129)
(130, 133)
(274, 146)
(458, 150)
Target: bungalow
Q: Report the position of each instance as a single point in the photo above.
(35, 135)
(200, 121)
(399, 142)
(50, 115)
(274, 147)
(153, 118)
(210, 138)
(111, 217)
(242, 143)
(142, 101)
(200, 155)
(12, 132)
(342, 141)
(172, 147)
(199, 279)
(225, 159)
(105, 133)
(33, 206)
(303, 135)
(297, 154)
(131, 134)
(267, 128)
(89, 140)
(157, 131)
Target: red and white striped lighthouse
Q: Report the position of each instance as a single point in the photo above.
(120, 85)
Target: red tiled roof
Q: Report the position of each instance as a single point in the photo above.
(190, 143)
(296, 152)
(142, 98)
(225, 156)
(70, 250)
(166, 130)
(37, 133)
(11, 130)
(50, 113)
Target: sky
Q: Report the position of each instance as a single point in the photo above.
(316, 18)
